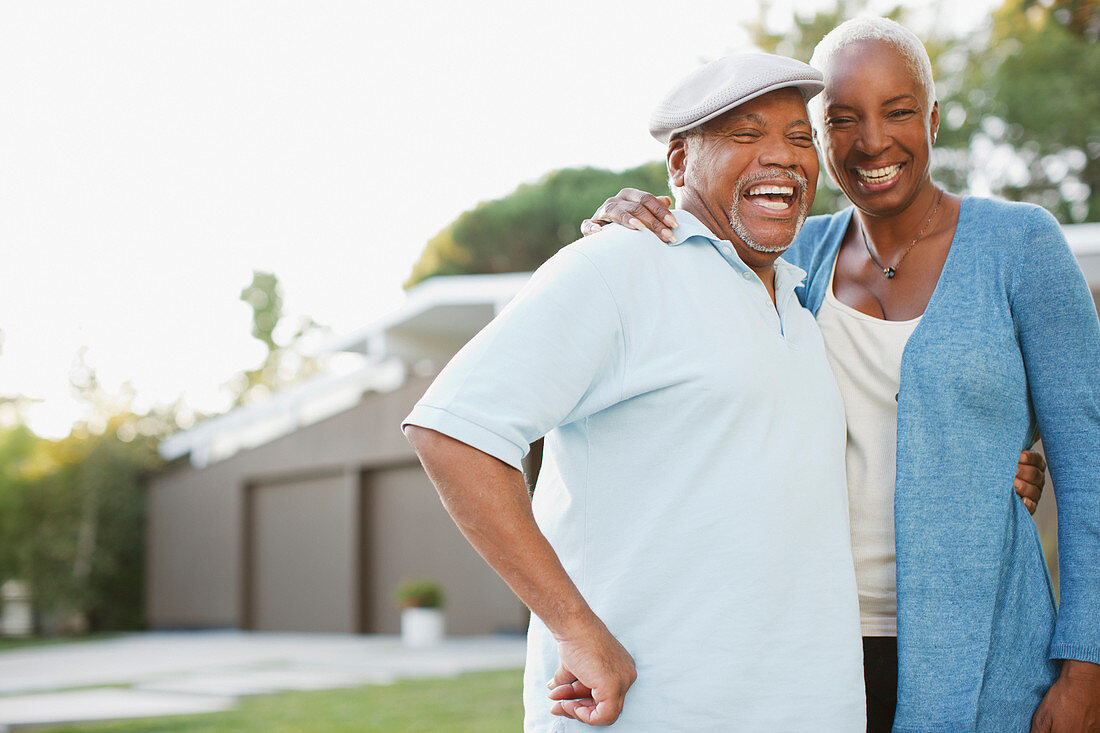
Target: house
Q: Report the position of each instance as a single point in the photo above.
(305, 513)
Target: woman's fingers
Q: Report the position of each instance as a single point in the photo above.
(641, 211)
(1033, 458)
(591, 226)
(1030, 478)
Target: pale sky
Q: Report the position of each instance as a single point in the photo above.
(153, 153)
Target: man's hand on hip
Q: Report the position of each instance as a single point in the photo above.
(488, 500)
(1072, 705)
(595, 673)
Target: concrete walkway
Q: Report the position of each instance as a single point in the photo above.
(173, 673)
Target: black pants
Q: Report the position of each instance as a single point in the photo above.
(880, 674)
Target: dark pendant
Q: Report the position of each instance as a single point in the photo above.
(889, 272)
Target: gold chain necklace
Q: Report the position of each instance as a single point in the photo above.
(891, 270)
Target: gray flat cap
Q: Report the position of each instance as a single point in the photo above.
(721, 85)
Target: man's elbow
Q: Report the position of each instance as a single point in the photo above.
(443, 456)
(433, 447)
(429, 445)
(418, 437)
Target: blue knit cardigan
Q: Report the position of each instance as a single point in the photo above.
(1009, 345)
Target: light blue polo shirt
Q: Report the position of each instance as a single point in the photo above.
(693, 478)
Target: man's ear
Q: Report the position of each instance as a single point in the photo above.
(676, 160)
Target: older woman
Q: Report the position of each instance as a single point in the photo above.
(957, 327)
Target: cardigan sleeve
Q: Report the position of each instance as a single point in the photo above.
(1059, 338)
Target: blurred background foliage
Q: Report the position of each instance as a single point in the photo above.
(287, 357)
(72, 511)
(520, 231)
(1020, 119)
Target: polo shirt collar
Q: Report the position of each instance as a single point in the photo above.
(787, 276)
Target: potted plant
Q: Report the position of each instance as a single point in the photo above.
(422, 622)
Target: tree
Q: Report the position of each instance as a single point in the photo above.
(520, 231)
(18, 446)
(1080, 17)
(72, 511)
(284, 363)
(266, 301)
(78, 531)
(1024, 118)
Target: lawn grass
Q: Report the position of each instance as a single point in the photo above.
(10, 643)
(485, 702)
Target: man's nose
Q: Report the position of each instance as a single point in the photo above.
(778, 152)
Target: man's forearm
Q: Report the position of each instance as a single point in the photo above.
(488, 501)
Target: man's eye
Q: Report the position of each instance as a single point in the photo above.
(802, 140)
(839, 121)
(901, 114)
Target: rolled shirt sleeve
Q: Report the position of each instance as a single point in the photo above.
(552, 356)
(1060, 341)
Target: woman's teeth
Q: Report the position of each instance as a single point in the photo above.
(878, 175)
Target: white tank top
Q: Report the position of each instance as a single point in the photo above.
(865, 354)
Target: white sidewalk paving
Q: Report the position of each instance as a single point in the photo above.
(173, 673)
(108, 703)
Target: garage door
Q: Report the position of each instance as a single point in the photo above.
(304, 555)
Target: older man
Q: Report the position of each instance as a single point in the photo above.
(688, 539)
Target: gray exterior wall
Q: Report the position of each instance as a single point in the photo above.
(312, 532)
(411, 535)
(193, 555)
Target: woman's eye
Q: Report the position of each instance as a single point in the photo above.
(838, 121)
(901, 114)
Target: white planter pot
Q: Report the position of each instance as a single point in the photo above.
(15, 617)
(421, 627)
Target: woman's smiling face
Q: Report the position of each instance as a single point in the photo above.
(878, 127)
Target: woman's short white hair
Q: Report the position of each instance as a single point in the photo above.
(874, 29)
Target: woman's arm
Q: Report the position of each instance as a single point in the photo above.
(1059, 336)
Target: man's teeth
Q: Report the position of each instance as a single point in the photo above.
(766, 189)
(770, 189)
(878, 175)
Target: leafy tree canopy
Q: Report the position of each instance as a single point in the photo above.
(72, 511)
(1024, 118)
(286, 357)
(520, 231)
